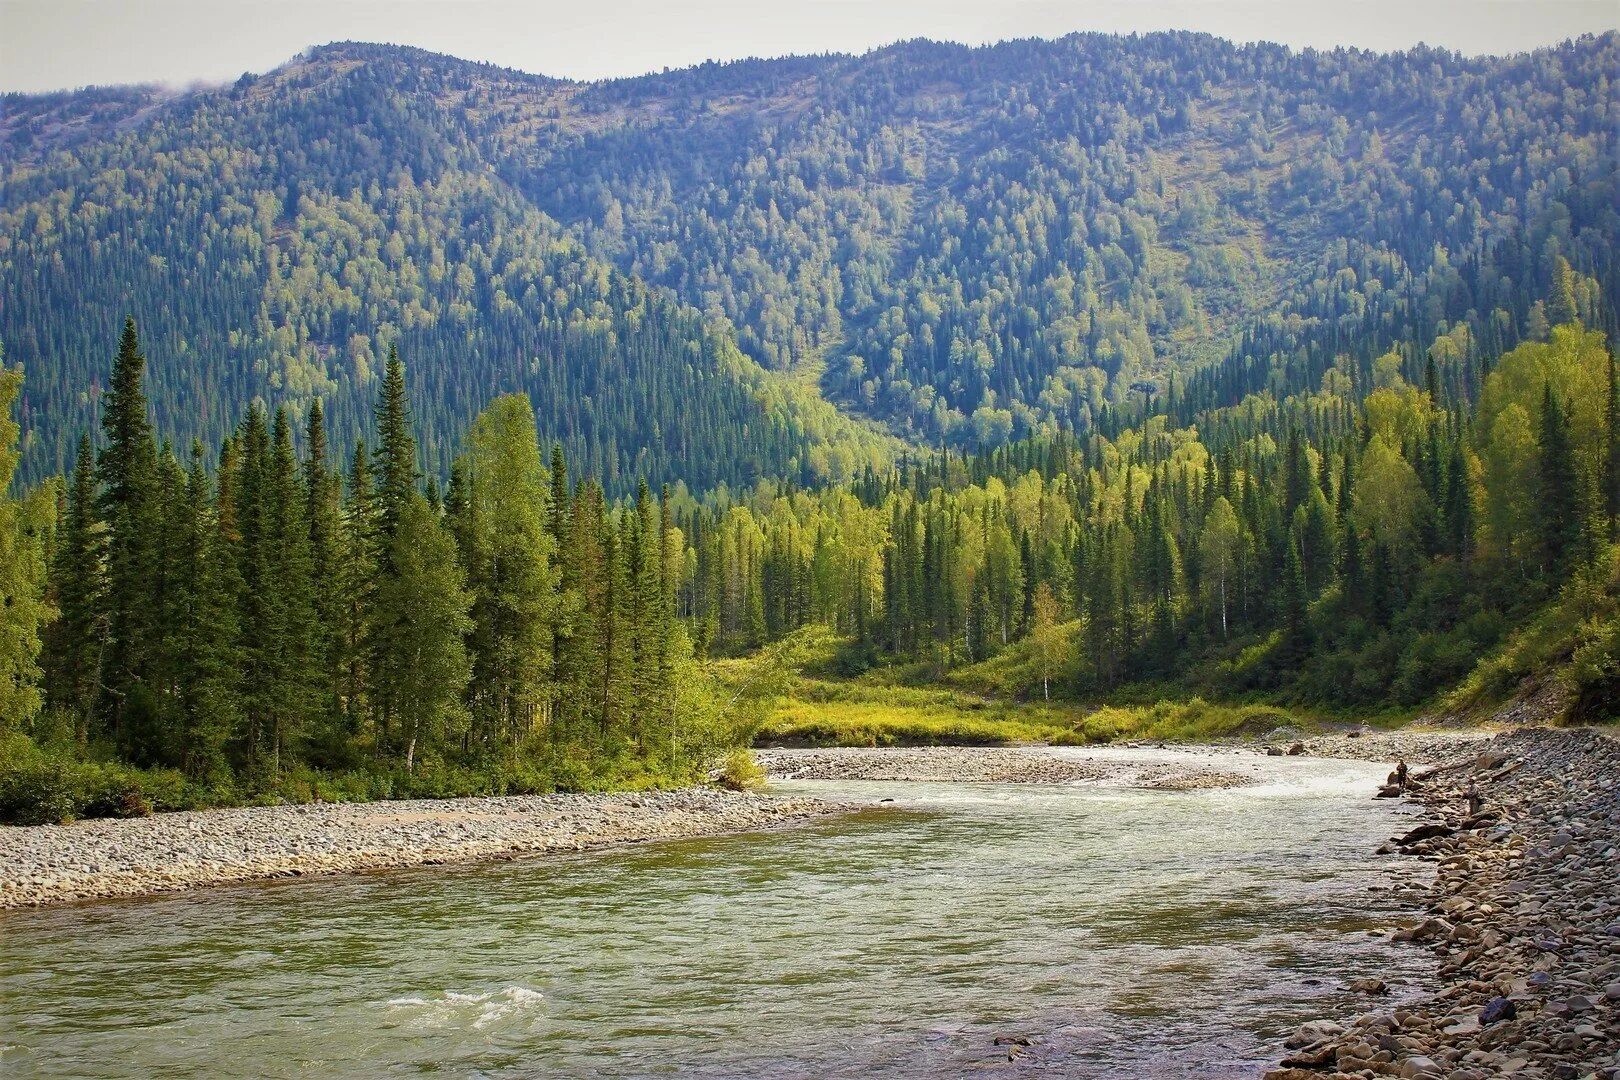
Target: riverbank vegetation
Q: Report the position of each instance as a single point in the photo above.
(245, 624)
(252, 625)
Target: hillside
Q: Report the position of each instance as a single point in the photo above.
(683, 269)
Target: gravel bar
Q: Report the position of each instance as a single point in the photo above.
(1178, 769)
(45, 864)
(1523, 916)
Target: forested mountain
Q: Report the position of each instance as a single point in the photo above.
(281, 235)
(967, 245)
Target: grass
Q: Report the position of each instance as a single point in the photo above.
(1574, 643)
(854, 713)
(987, 704)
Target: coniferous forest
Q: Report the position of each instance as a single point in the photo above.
(464, 434)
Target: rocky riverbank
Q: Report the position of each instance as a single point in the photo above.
(1524, 916)
(1161, 768)
(46, 864)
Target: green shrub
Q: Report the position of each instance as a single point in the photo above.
(740, 772)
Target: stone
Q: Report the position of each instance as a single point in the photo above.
(1498, 1009)
(1314, 1031)
(1414, 1068)
(1425, 832)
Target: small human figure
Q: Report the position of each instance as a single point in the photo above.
(1400, 774)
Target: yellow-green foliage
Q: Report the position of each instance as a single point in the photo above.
(836, 713)
(740, 772)
(1575, 641)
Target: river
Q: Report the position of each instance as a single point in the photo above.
(1121, 932)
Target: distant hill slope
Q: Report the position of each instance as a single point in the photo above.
(964, 244)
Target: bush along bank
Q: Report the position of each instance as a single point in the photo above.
(1524, 915)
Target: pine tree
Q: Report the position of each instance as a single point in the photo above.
(258, 608)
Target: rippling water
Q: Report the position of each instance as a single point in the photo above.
(1124, 932)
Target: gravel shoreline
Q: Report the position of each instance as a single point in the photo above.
(1179, 770)
(1524, 916)
(46, 864)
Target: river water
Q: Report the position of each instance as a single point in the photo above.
(1122, 932)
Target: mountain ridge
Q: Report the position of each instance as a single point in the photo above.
(975, 243)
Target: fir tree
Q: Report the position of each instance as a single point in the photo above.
(76, 638)
(1612, 455)
(130, 509)
(395, 467)
(1558, 497)
(200, 639)
(322, 514)
(507, 553)
(356, 585)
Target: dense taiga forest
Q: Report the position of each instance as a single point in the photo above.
(966, 246)
(391, 424)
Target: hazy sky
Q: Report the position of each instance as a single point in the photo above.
(51, 44)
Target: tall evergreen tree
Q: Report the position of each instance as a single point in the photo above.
(322, 515)
(77, 637)
(1612, 456)
(421, 620)
(1560, 520)
(356, 585)
(130, 508)
(200, 639)
(395, 466)
(511, 575)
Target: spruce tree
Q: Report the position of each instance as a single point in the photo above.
(1612, 455)
(75, 640)
(1558, 497)
(259, 607)
(201, 635)
(422, 621)
(130, 509)
(298, 667)
(395, 466)
(322, 515)
(507, 553)
(356, 586)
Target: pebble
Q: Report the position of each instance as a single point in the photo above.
(44, 864)
(1172, 771)
(1520, 918)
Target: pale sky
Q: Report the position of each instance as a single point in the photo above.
(55, 44)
